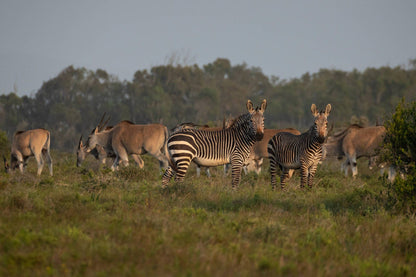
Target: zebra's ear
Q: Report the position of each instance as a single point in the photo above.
(250, 106)
(314, 110)
(263, 105)
(328, 109)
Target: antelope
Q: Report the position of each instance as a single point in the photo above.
(29, 143)
(355, 142)
(127, 138)
(98, 152)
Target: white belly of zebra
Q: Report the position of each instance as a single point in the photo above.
(210, 162)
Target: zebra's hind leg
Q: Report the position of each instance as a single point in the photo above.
(284, 177)
(167, 176)
(181, 171)
(273, 173)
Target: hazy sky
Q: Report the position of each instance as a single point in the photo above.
(38, 39)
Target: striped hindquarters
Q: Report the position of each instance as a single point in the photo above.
(284, 149)
(182, 149)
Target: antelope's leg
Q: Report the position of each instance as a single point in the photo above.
(40, 162)
(138, 160)
(115, 164)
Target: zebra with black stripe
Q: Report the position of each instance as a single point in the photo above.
(215, 147)
(304, 151)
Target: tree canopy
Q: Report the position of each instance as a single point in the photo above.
(72, 103)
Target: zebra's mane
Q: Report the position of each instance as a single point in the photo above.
(239, 120)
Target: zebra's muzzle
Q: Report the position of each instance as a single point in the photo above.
(259, 136)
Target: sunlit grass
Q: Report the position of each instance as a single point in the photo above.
(90, 221)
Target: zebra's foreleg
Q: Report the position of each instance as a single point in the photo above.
(312, 171)
(304, 174)
(236, 169)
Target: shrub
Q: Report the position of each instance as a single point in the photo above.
(400, 151)
(4, 143)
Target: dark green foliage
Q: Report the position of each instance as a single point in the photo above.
(72, 103)
(400, 150)
(4, 144)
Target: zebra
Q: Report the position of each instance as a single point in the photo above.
(215, 147)
(304, 151)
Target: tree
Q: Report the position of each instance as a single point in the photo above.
(400, 151)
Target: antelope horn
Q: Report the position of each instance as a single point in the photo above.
(105, 123)
(101, 121)
(80, 142)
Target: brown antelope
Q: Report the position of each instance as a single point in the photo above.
(259, 150)
(30, 143)
(127, 138)
(98, 152)
(355, 142)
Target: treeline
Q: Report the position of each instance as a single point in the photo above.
(72, 103)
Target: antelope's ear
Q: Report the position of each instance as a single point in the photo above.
(250, 106)
(328, 109)
(263, 105)
(96, 130)
(314, 110)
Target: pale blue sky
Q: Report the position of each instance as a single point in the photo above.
(283, 38)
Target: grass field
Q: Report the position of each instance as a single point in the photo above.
(93, 222)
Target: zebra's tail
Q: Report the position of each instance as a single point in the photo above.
(166, 151)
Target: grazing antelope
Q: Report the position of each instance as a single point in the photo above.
(30, 143)
(127, 138)
(98, 153)
(213, 148)
(304, 151)
(259, 150)
(355, 142)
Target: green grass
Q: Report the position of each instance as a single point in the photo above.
(90, 221)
